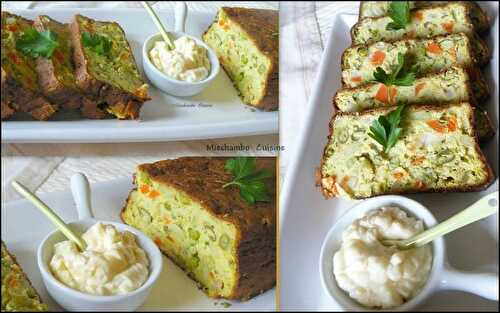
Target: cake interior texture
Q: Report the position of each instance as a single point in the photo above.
(226, 246)
(246, 44)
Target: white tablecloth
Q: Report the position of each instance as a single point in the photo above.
(48, 167)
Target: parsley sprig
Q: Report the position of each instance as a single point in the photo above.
(402, 75)
(36, 44)
(100, 44)
(399, 12)
(385, 130)
(248, 179)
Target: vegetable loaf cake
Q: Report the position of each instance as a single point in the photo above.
(437, 152)
(20, 89)
(17, 293)
(224, 243)
(453, 17)
(105, 67)
(449, 86)
(57, 73)
(247, 44)
(359, 63)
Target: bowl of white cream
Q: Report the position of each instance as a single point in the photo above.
(361, 274)
(115, 272)
(183, 71)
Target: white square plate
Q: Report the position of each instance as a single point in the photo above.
(215, 113)
(306, 217)
(24, 227)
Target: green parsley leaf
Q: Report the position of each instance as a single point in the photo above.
(401, 75)
(37, 44)
(399, 12)
(385, 130)
(100, 44)
(249, 180)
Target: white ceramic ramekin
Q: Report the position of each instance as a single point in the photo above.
(441, 277)
(73, 300)
(170, 85)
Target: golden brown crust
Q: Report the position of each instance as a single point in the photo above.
(486, 167)
(202, 179)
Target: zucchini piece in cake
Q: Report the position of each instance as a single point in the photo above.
(449, 86)
(246, 41)
(226, 244)
(450, 18)
(20, 89)
(359, 63)
(437, 151)
(18, 295)
(106, 68)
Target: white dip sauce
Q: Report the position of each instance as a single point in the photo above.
(187, 62)
(375, 275)
(112, 263)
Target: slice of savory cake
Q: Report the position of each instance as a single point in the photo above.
(20, 88)
(17, 293)
(437, 151)
(381, 8)
(246, 42)
(56, 74)
(449, 86)
(359, 63)
(106, 68)
(224, 243)
(453, 17)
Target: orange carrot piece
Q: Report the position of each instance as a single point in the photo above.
(419, 16)
(436, 125)
(144, 188)
(357, 79)
(382, 94)
(448, 26)
(153, 194)
(157, 241)
(398, 175)
(434, 48)
(419, 88)
(418, 160)
(378, 57)
(452, 124)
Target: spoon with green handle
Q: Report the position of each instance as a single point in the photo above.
(159, 25)
(483, 208)
(53, 217)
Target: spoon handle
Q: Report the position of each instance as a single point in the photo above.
(158, 24)
(81, 194)
(53, 217)
(485, 207)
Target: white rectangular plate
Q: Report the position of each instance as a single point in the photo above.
(215, 113)
(24, 227)
(306, 216)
